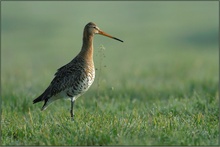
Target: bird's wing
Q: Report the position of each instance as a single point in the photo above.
(66, 76)
(63, 79)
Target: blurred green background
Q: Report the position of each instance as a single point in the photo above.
(46, 35)
(166, 44)
(39, 37)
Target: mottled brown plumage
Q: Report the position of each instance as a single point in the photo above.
(74, 78)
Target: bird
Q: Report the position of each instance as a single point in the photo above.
(74, 79)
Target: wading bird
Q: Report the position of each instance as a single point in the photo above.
(74, 78)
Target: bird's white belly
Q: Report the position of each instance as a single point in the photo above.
(91, 78)
(80, 88)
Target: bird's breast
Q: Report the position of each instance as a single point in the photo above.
(82, 82)
(90, 75)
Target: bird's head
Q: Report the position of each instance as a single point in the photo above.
(91, 29)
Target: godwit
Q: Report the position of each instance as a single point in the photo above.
(74, 78)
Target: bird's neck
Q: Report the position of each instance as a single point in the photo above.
(87, 48)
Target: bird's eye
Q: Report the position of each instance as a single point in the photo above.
(95, 27)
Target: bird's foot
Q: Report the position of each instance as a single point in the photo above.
(72, 115)
(72, 119)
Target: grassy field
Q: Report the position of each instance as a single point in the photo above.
(159, 87)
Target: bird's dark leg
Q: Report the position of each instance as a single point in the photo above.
(71, 110)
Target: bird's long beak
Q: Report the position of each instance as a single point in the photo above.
(107, 35)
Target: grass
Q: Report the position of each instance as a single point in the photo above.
(160, 87)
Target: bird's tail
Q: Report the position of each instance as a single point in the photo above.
(42, 97)
(37, 100)
(45, 96)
